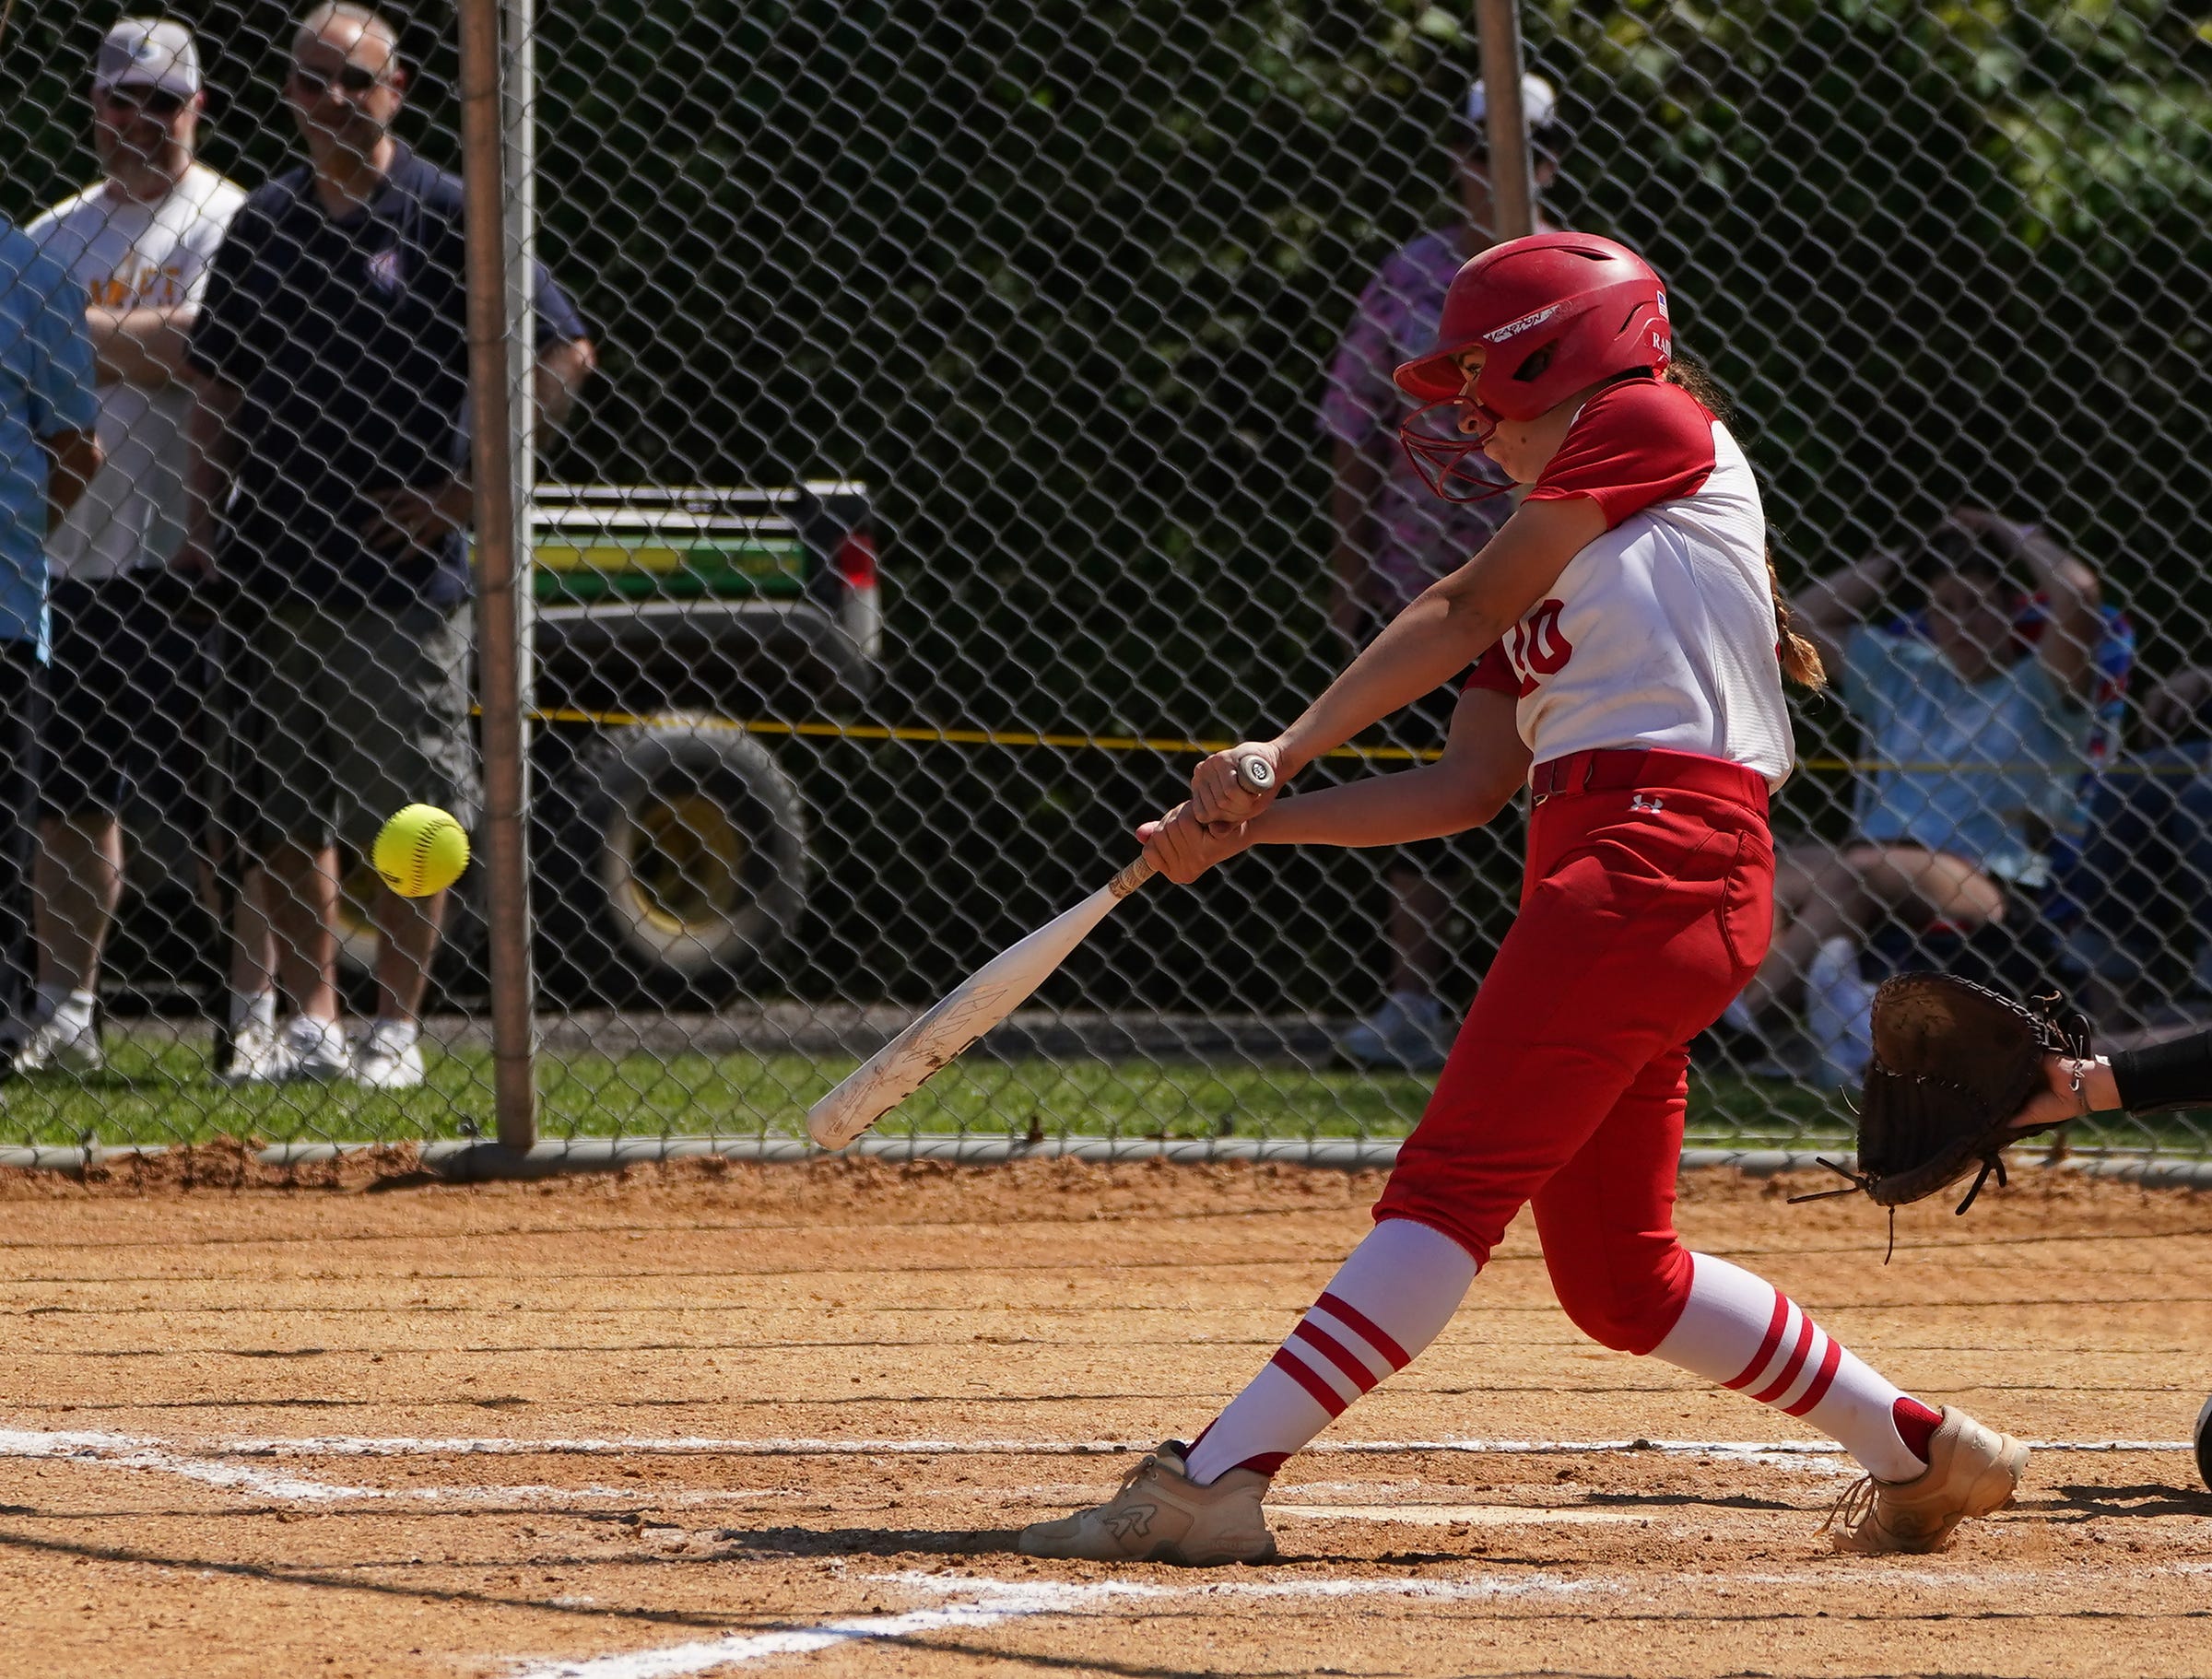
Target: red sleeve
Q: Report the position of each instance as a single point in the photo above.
(1491, 671)
(1633, 444)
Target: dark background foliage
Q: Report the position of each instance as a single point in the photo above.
(1059, 280)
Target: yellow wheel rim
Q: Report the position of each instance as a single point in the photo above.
(686, 863)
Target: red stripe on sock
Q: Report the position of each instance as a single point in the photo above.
(1789, 1366)
(1766, 1348)
(1336, 1352)
(1262, 1464)
(1915, 1426)
(1293, 1366)
(1369, 1331)
(1827, 1374)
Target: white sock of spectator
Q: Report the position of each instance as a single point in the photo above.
(253, 1008)
(395, 1033)
(65, 1004)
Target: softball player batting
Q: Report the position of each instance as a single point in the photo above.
(1629, 642)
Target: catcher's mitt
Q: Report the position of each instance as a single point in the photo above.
(1953, 1063)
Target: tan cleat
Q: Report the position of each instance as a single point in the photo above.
(1159, 1514)
(1972, 1472)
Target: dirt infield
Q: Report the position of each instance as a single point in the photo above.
(708, 1419)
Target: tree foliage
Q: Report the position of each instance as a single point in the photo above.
(1060, 279)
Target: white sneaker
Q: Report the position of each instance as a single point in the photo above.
(389, 1058)
(316, 1051)
(1411, 1033)
(258, 1056)
(67, 1042)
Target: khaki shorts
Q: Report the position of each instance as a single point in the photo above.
(347, 716)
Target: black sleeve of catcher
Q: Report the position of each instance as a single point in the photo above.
(2175, 1074)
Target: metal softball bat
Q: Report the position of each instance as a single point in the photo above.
(986, 997)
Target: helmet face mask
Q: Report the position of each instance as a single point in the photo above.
(1444, 442)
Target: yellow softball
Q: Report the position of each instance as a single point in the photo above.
(421, 850)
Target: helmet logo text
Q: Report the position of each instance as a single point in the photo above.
(1522, 325)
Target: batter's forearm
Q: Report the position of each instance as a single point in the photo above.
(1420, 650)
(1412, 804)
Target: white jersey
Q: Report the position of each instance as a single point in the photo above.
(1662, 631)
(131, 256)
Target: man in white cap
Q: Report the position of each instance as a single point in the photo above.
(1393, 538)
(141, 241)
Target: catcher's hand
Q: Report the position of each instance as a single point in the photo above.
(1954, 1064)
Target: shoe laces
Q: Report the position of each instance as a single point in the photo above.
(1136, 1474)
(1856, 1505)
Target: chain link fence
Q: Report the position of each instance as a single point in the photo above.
(983, 409)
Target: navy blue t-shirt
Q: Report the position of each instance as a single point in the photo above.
(349, 339)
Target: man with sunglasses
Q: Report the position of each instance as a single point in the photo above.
(141, 242)
(330, 489)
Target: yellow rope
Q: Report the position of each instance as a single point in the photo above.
(1174, 745)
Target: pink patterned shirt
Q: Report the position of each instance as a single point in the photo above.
(1418, 535)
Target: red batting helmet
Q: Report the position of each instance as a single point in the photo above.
(1556, 312)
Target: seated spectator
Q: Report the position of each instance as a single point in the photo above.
(2142, 881)
(1973, 704)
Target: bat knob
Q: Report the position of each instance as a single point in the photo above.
(1255, 774)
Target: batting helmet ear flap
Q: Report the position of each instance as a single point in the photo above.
(1535, 367)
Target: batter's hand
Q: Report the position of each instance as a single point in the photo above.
(1218, 797)
(1182, 848)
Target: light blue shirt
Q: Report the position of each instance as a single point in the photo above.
(46, 377)
(1974, 768)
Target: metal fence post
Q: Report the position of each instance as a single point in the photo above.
(1512, 180)
(502, 503)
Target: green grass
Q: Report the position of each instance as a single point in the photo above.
(157, 1091)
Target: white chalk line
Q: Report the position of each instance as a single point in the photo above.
(997, 1601)
(127, 1451)
(212, 1463)
(130, 1452)
(1412, 1514)
(397, 1446)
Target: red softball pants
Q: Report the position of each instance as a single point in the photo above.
(1647, 902)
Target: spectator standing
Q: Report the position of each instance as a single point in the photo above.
(329, 487)
(1395, 538)
(141, 242)
(49, 451)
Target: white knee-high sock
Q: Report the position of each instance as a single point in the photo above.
(1390, 1299)
(1746, 1334)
